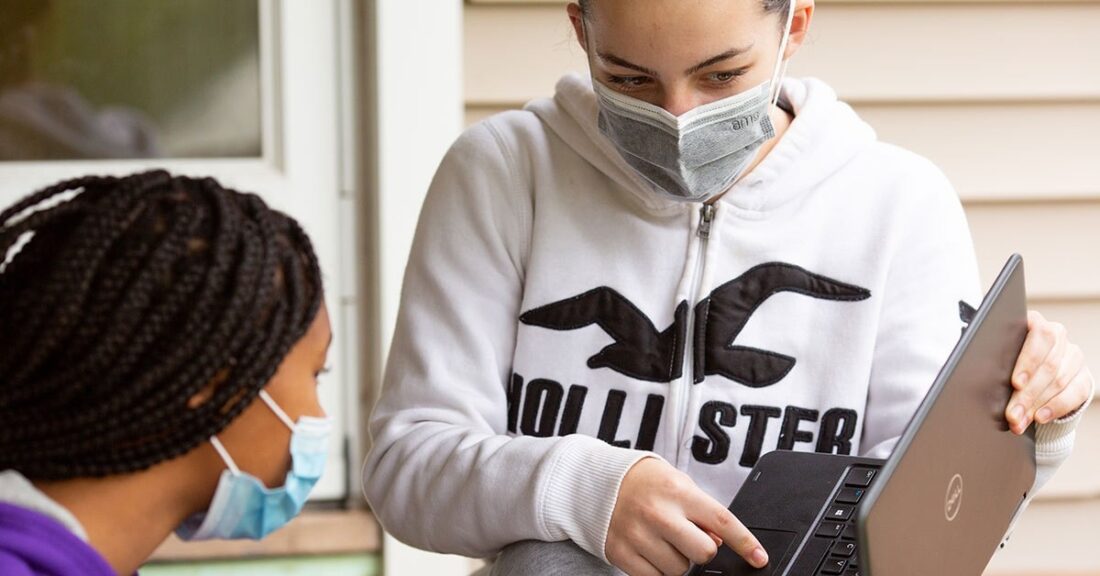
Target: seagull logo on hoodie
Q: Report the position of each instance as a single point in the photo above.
(643, 352)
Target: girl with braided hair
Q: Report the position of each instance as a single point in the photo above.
(140, 319)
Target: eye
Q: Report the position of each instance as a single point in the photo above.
(628, 83)
(725, 77)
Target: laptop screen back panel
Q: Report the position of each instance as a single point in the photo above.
(957, 476)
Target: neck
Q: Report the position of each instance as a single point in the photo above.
(781, 121)
(127, 517)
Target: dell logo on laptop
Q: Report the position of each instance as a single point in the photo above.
(954, 497)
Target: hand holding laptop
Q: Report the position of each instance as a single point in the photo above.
(1050, 377)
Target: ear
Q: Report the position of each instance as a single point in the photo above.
(800, 26)
(576, 18)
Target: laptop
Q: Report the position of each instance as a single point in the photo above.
(942, 502)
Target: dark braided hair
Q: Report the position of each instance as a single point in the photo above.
(124, 299)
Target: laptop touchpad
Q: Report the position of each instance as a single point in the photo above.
(727, 563)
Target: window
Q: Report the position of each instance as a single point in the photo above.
(246, 91)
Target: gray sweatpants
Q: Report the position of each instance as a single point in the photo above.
(534, 558)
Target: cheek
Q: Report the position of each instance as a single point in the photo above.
(761, 72)
(259, 444)
(270, 457)
(280, 465)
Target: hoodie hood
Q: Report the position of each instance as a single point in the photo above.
(826, 134)
(33, 544)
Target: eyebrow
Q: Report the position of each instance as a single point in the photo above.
(626, 63)
(728, 54)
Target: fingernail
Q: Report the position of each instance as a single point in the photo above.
(1017, 414)
(1043, 416)
(760, 557)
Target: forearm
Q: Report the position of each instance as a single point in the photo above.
(448, 489)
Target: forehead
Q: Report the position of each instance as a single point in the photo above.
(675, 29)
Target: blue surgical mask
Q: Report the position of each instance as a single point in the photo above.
(701, 153)
(242, 506)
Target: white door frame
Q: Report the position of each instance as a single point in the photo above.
(418, 113)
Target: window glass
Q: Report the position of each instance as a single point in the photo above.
(111, 79)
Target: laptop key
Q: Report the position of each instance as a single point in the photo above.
(849, 532)
(834, 566)
(850, 495)
(845, 549)
(839, 513)
(859, 477)
(829, 529)
(851, 572)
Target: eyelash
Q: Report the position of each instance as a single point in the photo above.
(733, 75)
(627, 83)
(630, 83)
(325, 370)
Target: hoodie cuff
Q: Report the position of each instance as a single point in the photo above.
(581, 490)
(1055, 439)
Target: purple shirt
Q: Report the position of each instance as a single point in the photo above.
(32, 544)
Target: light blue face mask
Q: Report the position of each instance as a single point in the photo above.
(242, 506)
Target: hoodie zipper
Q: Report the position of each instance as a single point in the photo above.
(683, 390)
(706, 217)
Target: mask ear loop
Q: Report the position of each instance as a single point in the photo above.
(588, 55)
(277, 410)
(220, 448)
(781, 65)
(225, 456)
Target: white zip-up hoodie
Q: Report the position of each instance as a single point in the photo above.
(559, 321)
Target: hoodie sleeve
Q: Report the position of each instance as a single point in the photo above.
(933, 268)
(443, 474)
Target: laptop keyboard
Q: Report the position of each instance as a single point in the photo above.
(839, 525)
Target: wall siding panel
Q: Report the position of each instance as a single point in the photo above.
(870, 51)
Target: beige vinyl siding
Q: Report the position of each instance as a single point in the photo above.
(1003, 95)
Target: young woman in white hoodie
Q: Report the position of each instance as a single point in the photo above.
(620, 297)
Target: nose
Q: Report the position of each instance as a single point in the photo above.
(679, 99)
